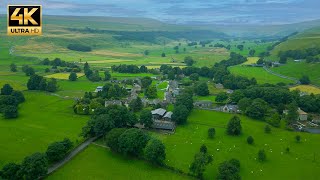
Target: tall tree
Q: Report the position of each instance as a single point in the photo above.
(146, 118)
(155, 152)
(107, 75)
(151, 92)
(146, 81)
(6, 89)
(234, 126)
(52, 85)
(133, 141)
(73, 76)
(13, 67)
(34, 166)
(202, 89)
(292, 115)
(180, 114)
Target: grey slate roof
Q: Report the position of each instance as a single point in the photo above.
(168, 115)
(159, 111)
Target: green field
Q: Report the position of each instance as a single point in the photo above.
(298, 164)
(298, 69)
(43, 119)
(99, 163)
(260, 74)
(304, 40)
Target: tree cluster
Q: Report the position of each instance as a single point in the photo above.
(106, 118)
(200, 161)
(123, 68)
(37, 82)
(135, 142)
(70, 66)
(229, 170)
(9, 101)
(79, 47)
(58, 150)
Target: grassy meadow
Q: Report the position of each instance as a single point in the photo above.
(43, 119)
(301, 163)
(259, 74)
(97, 162)
(298, 69)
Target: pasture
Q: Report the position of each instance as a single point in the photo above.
(301, 163)
(43, 119)
(97, 162)
(307, 88)
(298, 69)
(259, 74)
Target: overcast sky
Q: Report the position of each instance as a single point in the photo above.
(186, 11)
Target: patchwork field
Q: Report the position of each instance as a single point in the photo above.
(307, 88)
(259, 74)
(99, 163)
(296, 165)
(43, 119)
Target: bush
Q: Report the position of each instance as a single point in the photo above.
(10, 112)
(298, 138)
(262, 155)
(250, 140)
(267, 129)
(211, 132)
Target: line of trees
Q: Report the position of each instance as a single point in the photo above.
(310, 54)
(9, 101)
(79, 47)
(123, 68)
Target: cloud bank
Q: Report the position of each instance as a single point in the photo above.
(186, 11)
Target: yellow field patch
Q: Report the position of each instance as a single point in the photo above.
(307, 88)
(14, 84)
(116, 54)
(251, 60)
(158, 66)
(106, 61)
(62, 75)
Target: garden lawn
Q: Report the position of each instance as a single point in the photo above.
(43, 119)
(259, 74)
(97, 162)
(303, 161)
